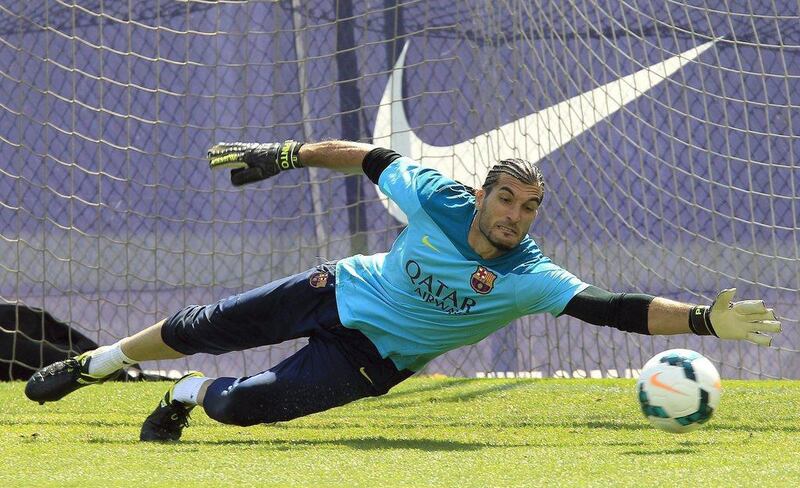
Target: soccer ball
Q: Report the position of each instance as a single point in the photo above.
(678, 390)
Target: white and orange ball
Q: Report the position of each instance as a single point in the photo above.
(678, 390)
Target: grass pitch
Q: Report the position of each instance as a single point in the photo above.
(427, 432)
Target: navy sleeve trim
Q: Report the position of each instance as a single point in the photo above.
(623, 311)
(376, 161)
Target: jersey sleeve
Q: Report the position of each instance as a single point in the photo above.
(409, 185)
(547, 289)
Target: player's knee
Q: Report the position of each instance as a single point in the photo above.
(231, 409)
(228, 411)
(238, 404)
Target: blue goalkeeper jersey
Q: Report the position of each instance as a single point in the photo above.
(432, 292)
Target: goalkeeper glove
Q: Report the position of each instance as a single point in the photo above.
(250, 162)
(747, 320)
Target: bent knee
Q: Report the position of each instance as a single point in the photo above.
(231, 409)
(228, 412)
(238, 403)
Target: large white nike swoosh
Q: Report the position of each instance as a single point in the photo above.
(533, 136)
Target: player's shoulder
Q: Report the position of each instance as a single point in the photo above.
(530, 260)
(429, 181)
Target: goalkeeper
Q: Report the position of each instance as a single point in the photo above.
(463, 268)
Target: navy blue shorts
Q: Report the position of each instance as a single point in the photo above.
(337, 366)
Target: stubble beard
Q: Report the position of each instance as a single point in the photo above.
(500, 246)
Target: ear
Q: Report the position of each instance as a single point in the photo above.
(479, 196)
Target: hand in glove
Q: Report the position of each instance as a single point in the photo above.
(250, 162)
(748, 320)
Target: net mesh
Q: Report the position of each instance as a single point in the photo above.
(677, 177)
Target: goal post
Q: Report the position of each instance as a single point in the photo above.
(667, 133)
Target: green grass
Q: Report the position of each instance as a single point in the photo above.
(442, 432)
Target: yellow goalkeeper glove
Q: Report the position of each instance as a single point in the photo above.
(746, 320)
(250, 162)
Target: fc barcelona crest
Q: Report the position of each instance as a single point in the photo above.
(318, 279)
(482, 280)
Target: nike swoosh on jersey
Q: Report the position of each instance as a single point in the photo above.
(544, 131)
(427, 241)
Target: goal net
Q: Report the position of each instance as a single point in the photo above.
(665, 130)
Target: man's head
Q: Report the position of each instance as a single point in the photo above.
(508, 202)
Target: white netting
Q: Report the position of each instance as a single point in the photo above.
(666, 132)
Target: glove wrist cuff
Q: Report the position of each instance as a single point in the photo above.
(700, 321)
(288, 155)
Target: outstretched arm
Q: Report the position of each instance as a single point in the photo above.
(667, 317)
(747, 320)
(344, 156)
(251, 162)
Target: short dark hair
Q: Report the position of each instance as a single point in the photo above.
(520, 169)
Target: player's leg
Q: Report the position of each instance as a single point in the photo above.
(57, 380)
(171, 415)
(337, 366)
(278, 311)
(147, 345)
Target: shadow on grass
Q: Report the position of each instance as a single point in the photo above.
(643, 425)
(595, 424)
(513, 423)
(452, 397)
(439, 386)
(658, 452)
(685, 447)
(378, 443)
(484, 423)
(367, 443)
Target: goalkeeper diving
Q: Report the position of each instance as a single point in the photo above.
(463, 268)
